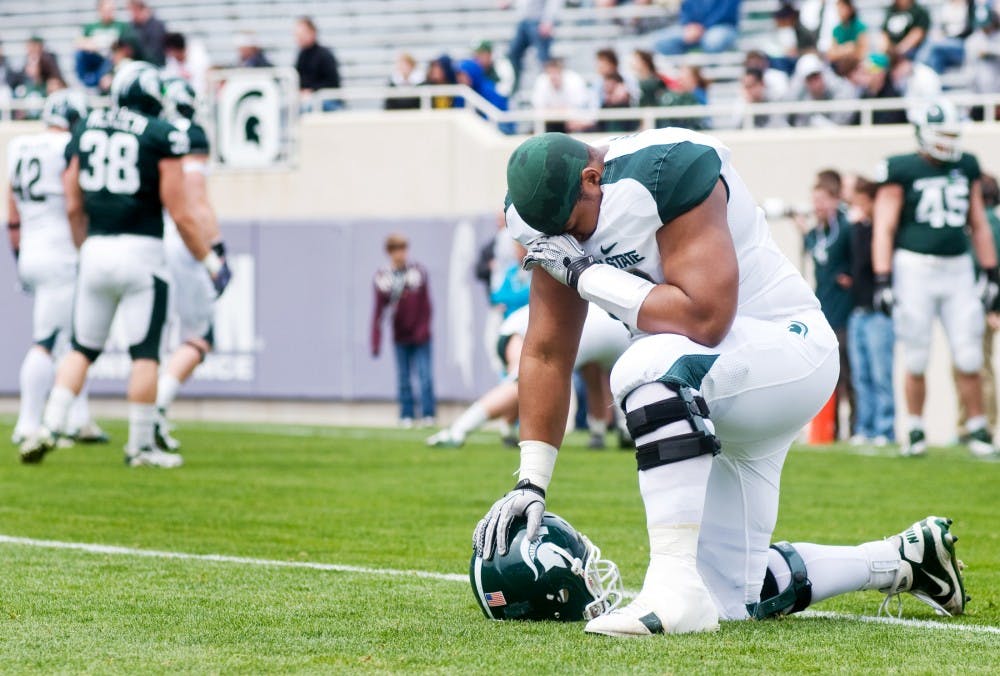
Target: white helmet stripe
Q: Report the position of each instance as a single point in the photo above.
(478, 573)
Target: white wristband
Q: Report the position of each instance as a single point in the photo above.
(212, 263)
(615, 291)
(538, 460)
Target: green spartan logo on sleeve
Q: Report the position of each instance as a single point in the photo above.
(798, 327)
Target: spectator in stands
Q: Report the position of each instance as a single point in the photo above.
(914, 81)
(405, 74)
(828, 240)
(536, 21)
(470, 73)
(871, 77)
(754, 90)
(564, 92)
(651, 83)
(401, 289)
(40, 67)
(850, 38)
(690, 88)
(708, 25)
(983, 51)
(611, 90)
(249, 52)
(945, 46)
(870, 336)
(499, 70)
(814, 82)
(316, 64)
(150, 32)
(820, 17)
(776, 81)
(94, 46)
(792, 37)
(186, 60)
(442, 72)
(905, 28)
(121, 52)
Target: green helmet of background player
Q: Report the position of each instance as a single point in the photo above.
(558, 576)
(180, 99)
(939, 130)
(138, 87)
(64, 108)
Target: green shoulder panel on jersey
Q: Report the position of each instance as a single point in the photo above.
(120, 153)
(679, 176)
(199, 140)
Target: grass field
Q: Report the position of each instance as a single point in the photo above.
(370, 503)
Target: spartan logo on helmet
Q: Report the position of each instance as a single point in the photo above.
(180, 99)
(558, 576)
(137, 86)
(939, 130)
(64, 108)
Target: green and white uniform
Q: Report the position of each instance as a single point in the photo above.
(191, 291)
(764, 381)
(122, 266)
(931, 267)
(48, 258)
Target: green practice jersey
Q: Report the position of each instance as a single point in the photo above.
(935, 202)
(120, 153)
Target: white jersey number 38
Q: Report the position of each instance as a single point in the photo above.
(113, 162)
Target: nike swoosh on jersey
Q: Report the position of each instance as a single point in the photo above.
(606, 250)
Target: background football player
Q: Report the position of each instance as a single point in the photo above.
(46, 252)
(920, 256)
(124, 167)
(603, 340)
(193, 292)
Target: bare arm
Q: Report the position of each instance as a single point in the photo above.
(885, 220)
(196, 189)
(910, 40)
(701, 276)
(982, 234)
(74, 202)
(555, 323)
(176, 202)
(13, 222)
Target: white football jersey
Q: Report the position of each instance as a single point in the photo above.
(35, 166)
(654, 176)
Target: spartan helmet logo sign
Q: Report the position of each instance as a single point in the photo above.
(547, 554)
(249, 118)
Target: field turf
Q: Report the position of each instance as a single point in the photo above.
(371, 503)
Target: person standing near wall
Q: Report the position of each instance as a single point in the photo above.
(402, 289)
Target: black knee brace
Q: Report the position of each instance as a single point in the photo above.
(685, 406)
(796, 597)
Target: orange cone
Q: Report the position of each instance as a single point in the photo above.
(822, 427)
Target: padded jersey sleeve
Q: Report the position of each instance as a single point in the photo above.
(198, 140)
(683, 177)
(165, 140)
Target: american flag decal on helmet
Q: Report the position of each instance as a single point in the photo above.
(494, 599)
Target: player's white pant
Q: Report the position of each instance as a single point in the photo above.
(603, 340)
(52, 282)
(762, 383)
(192, 295)
(124, 274)
(926, 287)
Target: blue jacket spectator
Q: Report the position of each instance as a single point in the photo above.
(709, 25)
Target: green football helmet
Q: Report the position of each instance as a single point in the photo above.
(138, 87)
(64, 108)
(180, 99)
(560, 575)
(939, 130)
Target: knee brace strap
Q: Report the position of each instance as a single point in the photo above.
(684, 406)
(675, 449)
(796, 597)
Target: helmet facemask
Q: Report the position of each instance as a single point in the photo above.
(604, 582)
(942, 142)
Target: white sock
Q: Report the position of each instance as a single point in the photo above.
(141, 419)
(836, 570)
(57, 409)
(975, 424)
(37, 373)
(166, 391)
(79, 412)
(596, 425)
(915, 422)
(471, 418)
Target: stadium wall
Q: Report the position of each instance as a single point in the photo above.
(307, 240)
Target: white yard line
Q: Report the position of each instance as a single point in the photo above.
(429, 575)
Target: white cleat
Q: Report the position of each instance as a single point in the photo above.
(161, 434)
(445, 439)
(152, 457)
(672, 601)
(36, 446)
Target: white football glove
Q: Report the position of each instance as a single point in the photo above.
(560, 256)
(491, 533)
